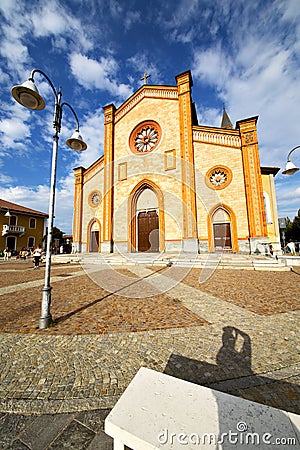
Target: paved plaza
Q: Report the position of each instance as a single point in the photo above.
(233, 330)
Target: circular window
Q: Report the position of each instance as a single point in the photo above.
(94, 198)
(218, 177)
(145, 137)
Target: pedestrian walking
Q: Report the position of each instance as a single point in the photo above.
(37, 256)
(7, 254)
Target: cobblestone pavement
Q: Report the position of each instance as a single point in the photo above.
(237, 332)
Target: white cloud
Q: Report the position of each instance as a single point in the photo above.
(37, 197)
(288, 195)
(32, 197)
(6, 179)
(92, 74)
(131, 17)
(50, 19)
(14, 128)
(257, 76)
(141, 63)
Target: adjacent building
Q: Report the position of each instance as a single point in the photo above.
(168, 183)
(20, 226)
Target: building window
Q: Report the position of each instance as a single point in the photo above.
(13, 220)
(32, 222)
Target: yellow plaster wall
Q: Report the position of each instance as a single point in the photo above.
(150, 166)
(94, 183)
(23, 221)
(273, 228)
(206, 157)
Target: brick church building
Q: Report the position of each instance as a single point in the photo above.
(166, 183)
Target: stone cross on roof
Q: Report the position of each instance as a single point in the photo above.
(144, 77)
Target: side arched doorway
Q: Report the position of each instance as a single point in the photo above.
(222, 225)
(94, 236)
(146, 221)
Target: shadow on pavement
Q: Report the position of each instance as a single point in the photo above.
(93, 303)
(233, 374)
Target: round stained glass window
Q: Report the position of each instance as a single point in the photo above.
(218, 177)
(145, 137)
(94, 198)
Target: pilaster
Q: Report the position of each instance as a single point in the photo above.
(252, 175)
(108, 194)
(184, 84)
(78, 207)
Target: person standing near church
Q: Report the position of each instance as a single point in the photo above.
(292, 248)
(37, 256)
(7, 254)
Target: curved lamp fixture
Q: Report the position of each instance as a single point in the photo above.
(290, 167)
(76, 142)
(28, 95)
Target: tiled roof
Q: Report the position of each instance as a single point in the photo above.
(13, 207)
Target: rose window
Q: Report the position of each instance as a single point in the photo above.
(94, 198)
(145, 137)
(218, 177)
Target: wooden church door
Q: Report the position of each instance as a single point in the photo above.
(222, 236)
(148, 231)
(94, 242)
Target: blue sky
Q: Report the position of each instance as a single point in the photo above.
(244, 54)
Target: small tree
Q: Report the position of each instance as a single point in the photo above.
(292, 230)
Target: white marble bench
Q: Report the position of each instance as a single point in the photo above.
(158, 411)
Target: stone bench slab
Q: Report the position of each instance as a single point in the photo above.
(158, 411)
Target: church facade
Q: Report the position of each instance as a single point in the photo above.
(166, 183)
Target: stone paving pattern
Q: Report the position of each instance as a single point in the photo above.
(57, 385)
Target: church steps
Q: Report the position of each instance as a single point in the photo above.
(212, 261)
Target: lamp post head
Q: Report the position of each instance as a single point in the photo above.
(28, 95)
(290, 168)
(76, 142)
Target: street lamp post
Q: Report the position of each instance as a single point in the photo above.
(27, 95)
(290, 167)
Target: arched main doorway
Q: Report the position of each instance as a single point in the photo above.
(146, 218)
